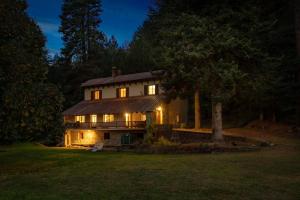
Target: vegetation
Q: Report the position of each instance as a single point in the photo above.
(221, 52)
(228, 53)
(35, 172)
(30, 106)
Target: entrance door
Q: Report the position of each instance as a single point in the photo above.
(128, 119)
(67, 139)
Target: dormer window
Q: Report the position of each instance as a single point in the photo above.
(151, 89)
(122, 92)
(96, 95)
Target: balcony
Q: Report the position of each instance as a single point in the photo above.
(106, 125)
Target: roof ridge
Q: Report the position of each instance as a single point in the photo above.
(123, 78)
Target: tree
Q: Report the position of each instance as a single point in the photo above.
(207, 53)
(80, 28)
(297, 33)
(30, 106)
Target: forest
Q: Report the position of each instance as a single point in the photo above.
(240, 58)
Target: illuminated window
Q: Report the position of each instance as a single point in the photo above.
(97, 95)
(143, 117)
(108, 118)
(80, 118)
(151, 90)
(127, 119)
(177, 118)
(93, 118)
(123, 92)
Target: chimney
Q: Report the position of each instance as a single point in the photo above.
(114, 72)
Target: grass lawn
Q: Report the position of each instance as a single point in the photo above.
(35, 172)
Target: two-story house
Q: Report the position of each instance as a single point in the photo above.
(117, 109)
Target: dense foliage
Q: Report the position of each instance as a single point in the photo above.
(263, 46)
(29, 105)
(87, 52)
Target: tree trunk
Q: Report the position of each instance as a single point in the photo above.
(297, 34)
(297, 27)
(261, 116)
(217, 128)
(197, 110)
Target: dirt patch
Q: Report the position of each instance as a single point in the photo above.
(274, 129)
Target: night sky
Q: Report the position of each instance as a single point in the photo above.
(120, 18)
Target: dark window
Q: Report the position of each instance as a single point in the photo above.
(106, 136)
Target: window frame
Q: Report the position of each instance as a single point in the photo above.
(123, 92)
(108, 118)
(96, 93)
(92, 117)
(80, 118)
(106, 136)
(151, 89)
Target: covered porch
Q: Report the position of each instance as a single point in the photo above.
(131, 113)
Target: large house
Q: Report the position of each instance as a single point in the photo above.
(116, 110)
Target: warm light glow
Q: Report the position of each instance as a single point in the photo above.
(97, 95)
(80, 118)
(127, 119)
(89, 135)
(177, 118)
(123, 92)
(151, 90)
(159, 115)
(108, 118)
(143, 117)
(93, 118)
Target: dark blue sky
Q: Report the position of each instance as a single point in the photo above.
(120, 18)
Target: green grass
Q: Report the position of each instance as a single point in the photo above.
(35, 172)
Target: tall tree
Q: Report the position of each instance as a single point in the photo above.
(80, 28)
(211, 53)
(30, 106)
(84, 43)
(297, 33)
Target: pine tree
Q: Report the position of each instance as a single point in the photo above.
(80, 20)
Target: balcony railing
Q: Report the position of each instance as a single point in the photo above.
(114, 124)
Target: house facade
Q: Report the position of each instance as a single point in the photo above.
(116, 110)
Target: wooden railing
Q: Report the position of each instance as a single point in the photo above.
(114, 124)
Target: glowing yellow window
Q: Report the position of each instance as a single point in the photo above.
(80, 118)
(143, 118)
(93, 118)
(151, 89)
(97, 95)
(123, 92)
(108, 118)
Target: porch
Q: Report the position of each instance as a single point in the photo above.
(106, 125)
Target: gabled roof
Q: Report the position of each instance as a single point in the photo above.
(115, 106)
(154, 75)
